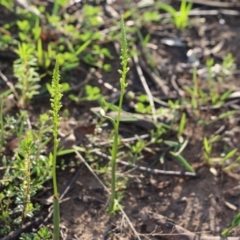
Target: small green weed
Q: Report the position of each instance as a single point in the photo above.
(142, 106)
(207, 144)
(25, 69)
(93, 93)
(180, 19)
(222, 161)
(42, 233)
(26, 189)
(7, 4)
(182, 126)
(214, 78)
(18, 184)
(54, 34)
(235, 223)
(136, 150)
(182, 161)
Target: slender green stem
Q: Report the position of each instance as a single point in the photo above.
(56, 219)
(115, 149)
(1, 125)
(54, 173)
(56, 212)
(123, 72)
(113, 168)
(55, 8)
(56, 105)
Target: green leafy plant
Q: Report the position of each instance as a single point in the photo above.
(182, 161)
(136, 150)
(25, 69)
(207, 144)
(8, 4)
(142, 106)
(26, 189)
(5, 216)
(93, 93)
(56, 105)
(216, 74)
(58, 35)
(228, 66)
(220, 161)
(180, 18)
(214, 78)
(210, 75)
(25, 173)
(56, 5)
(42, 233)
(182, 125)
(235, 223)
(152, 16)
(195, 92)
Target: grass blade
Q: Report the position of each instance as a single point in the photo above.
(183, 161)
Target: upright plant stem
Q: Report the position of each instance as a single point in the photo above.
(56, 212)
(55, 8)
(1, 125)
(54, 173)
(114, 151)
(113, 168)
(123, 72)
(56, 96)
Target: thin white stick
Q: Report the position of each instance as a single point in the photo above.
(144, 83)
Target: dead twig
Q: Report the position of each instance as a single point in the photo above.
(145, 85)
(124, 140)
(149, 170)
(157, 80)
(9, 84)
(176, 87)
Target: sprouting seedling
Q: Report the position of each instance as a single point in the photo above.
(57, 4)
(180, 18)
(182, 125)
(207, 150)
(141, 106)
(137, 148)
(228, 65)
(235, 223)
(208, 145)
(56, 105)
